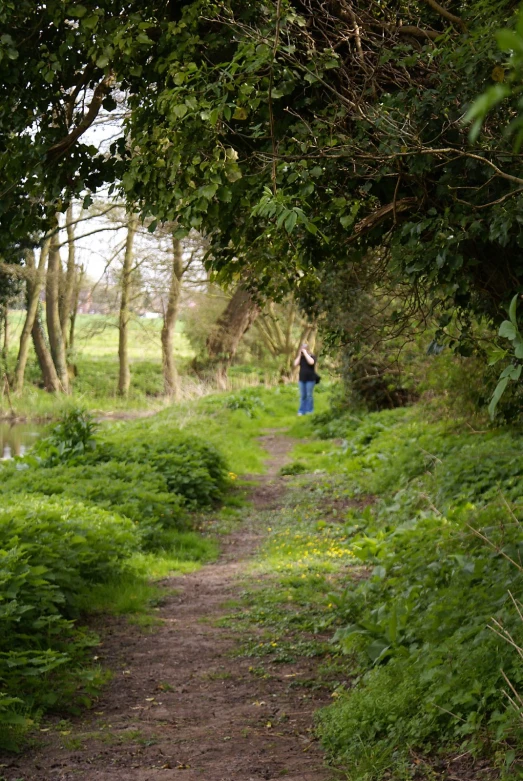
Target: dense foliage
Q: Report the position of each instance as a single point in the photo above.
(255, 123)
(51, 552)
(441, 547)
(73, 512)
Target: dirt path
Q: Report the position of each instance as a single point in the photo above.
(180, 705)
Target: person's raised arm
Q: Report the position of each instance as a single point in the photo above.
(298, 359)
(310, 360)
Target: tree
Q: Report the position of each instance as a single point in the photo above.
(286, 129)
(283, 329)
(52, 309)
(124, 375)
(34, 291)
(68, 279)
(292, 134)
(225, 336)
(170, 374)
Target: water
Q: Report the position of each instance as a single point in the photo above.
(17, 438)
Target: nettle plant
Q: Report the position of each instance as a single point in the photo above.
(508, 329)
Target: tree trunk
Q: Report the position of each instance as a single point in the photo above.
(170, 374)
(78, 278)
(45, 361)
(54, 328)
(32, 308)
(226, 334)
(124, 378)
(6, 333)
(66, 299)
(51, 380)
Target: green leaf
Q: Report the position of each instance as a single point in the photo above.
(518, 348)
(128, 180)
(144, 38)
(511, 372)
(180, 110)
(240, 113)
(512, 310)
(496, 355)
(376, 649)
(90, 22)
(225, 194)
(102, 61)
(508, 330)
(496, 396)
(208, 191)
(290, 222)
(233, 173)
(508, 40)
(78, 11)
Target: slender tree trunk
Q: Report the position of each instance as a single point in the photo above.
(124, 378)
(51, 380)
(32, 308)
(78, 278)
(6, 334)
(170, 374)
(54, 328)
(226, 334)
(70, 274)
(45, 361)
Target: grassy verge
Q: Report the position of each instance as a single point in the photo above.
(91, 519)
(398, 548)
(442, 547)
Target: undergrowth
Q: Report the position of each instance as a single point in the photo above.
(93, 515)
(438, 544)
(88, 518)
(401, 538)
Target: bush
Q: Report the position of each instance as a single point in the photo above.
(428, 667)
(56, 551)
(132, 490)
(191, 468)
(72, 436)
(50, 554)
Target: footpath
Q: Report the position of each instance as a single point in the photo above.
(182, 704)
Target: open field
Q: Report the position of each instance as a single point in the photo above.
(95, 359)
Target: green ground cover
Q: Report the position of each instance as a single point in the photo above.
(398, 544)
(93, 515)
(380, 541)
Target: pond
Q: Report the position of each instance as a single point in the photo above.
(17, 438)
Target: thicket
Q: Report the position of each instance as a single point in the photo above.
(441, 547)
(73, 514)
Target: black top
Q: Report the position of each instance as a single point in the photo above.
(307, 372)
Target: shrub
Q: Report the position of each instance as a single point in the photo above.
(190, 467)
(50, 553)
(135, 491)
(72, 436)
(428, 667)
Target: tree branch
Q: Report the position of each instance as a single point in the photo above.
(446, 14)
(63, 146)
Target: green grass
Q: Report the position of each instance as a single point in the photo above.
(288, 592)
(96, 360)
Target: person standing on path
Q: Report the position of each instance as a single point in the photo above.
(307, 379)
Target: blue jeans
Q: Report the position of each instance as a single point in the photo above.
(306, 400)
